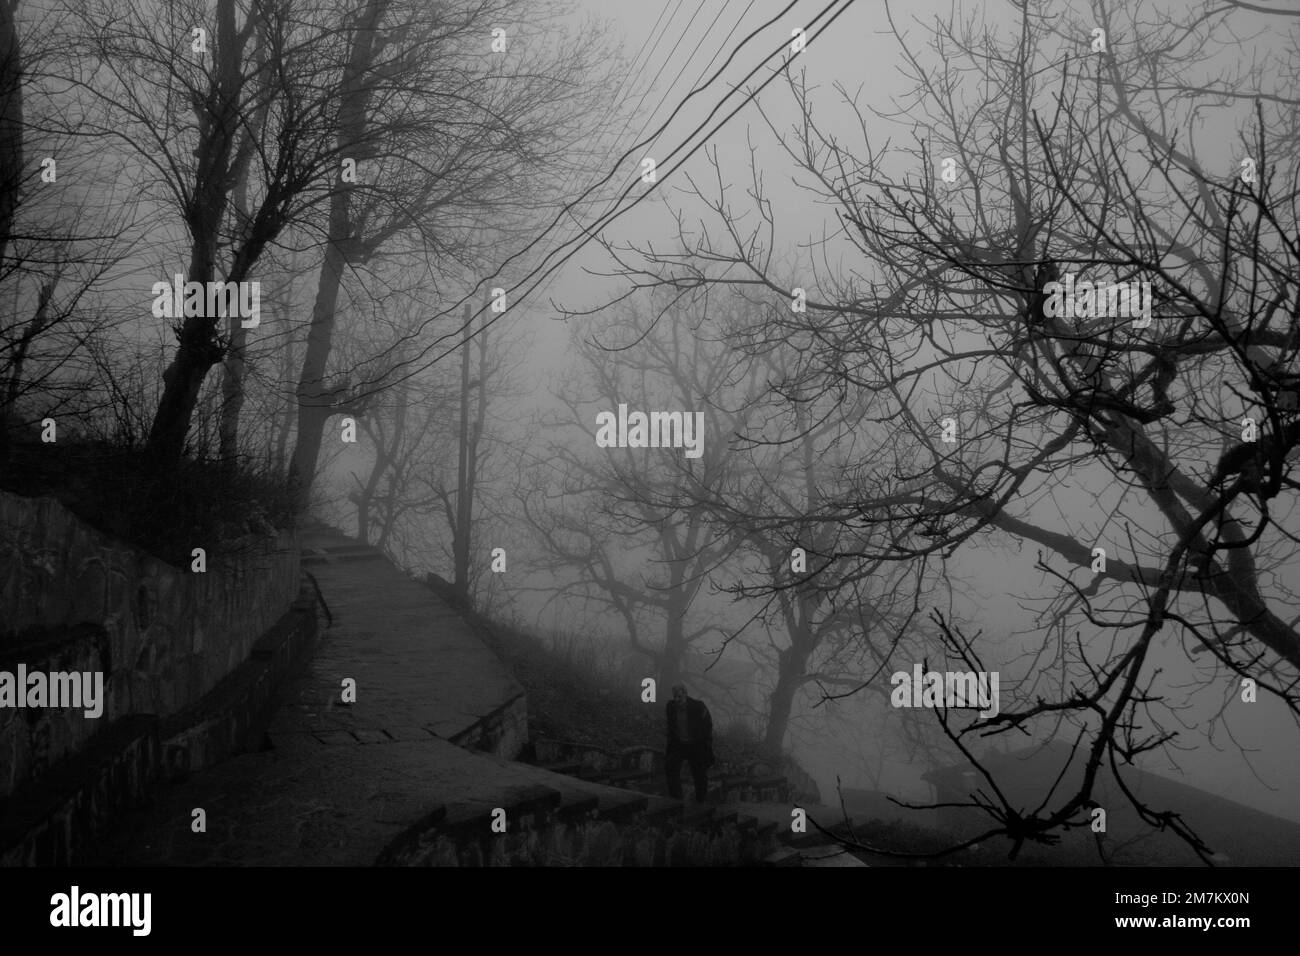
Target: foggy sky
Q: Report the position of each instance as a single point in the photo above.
(859, 53)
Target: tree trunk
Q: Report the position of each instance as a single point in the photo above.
(232, 384)
(232, 394)
(285, 411)
(365, 498)
(314, 402)
(196, 353)
(362, 501)
(799, 610)
(670, 663)
(197, 349)
(396, 462)
(790, 672)
(670, 671)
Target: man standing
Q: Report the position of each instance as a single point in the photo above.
(690, 738)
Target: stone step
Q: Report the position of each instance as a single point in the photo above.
(370, 555)
(340, 553)
(579, 796)
(474, 818)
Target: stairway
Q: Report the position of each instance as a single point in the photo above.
(642, 768)
(744, 820)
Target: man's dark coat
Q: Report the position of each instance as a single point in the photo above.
(700, 724)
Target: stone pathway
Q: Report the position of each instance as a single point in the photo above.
(419, 669)
(341, 781)
(354, 784)
(337, 806)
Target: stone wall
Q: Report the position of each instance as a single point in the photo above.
(504, 732)
(546, 840)
(73, 598)
(58, 822)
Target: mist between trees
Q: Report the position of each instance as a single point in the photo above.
(905, 451)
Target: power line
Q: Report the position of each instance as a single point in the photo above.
(572, 233)
(663, 66)
(662, 99)
(635, 146)
(569, 231)
(610, 217)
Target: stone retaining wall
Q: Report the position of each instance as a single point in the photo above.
(504, 732)
(546, 840)
(72, 598)
(82, 797)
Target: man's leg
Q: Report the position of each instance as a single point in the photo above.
(701, 774)
(673, 769)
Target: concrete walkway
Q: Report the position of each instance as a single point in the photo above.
(344, 806)
(342, 781)
(357, 784)
(419, 668)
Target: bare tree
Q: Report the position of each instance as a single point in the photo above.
(613, 509)
(1070, 163)
(220, 105)
(821, 620)
(450, 136)
(58, 239)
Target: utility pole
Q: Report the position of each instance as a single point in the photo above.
(464, 486)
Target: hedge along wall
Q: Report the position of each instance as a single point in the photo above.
(72, 598)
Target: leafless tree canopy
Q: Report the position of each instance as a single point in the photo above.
(1046, 312)
(1170, 446)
